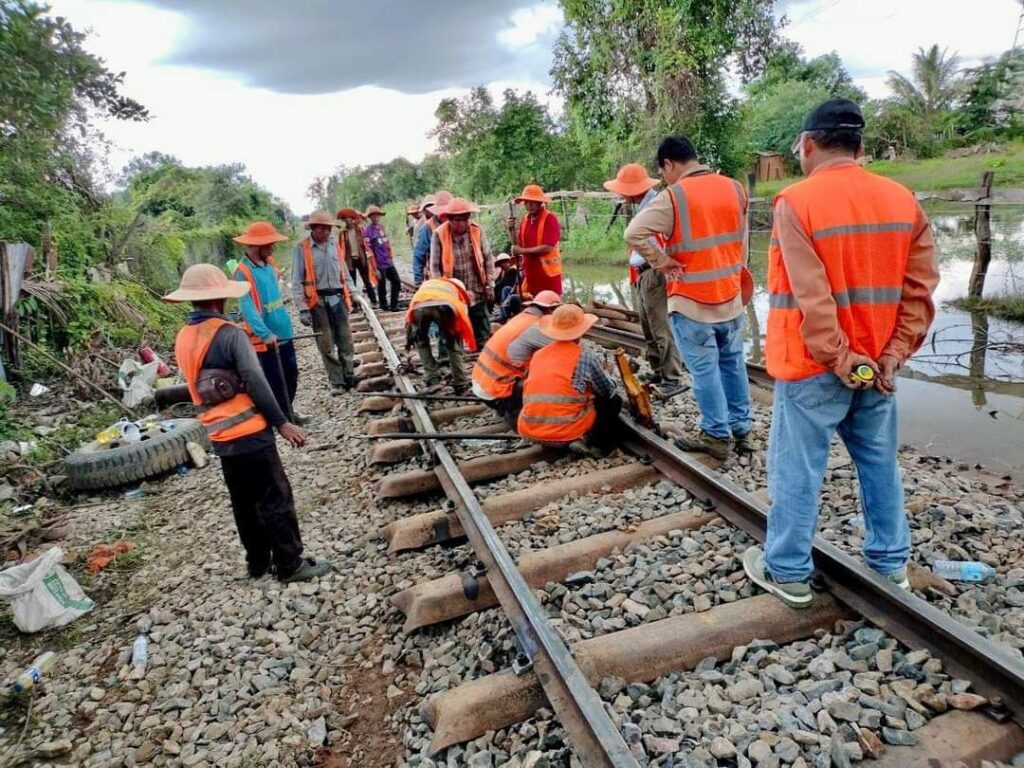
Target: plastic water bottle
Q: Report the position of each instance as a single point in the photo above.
(27, 679)
(963, 570)
(140, 651)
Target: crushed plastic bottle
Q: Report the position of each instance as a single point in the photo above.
(140, 651)
(43, 664)
(963, 570)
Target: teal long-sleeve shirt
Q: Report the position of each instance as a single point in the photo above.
(273, 320)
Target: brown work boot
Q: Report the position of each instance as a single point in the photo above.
(701, 442)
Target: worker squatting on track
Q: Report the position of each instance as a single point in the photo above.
(240, 413)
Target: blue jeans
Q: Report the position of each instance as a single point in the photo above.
(806, 414)
(713, 353)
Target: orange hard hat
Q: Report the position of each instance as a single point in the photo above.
(631, 180)
(260, 233)
(533, 192)
(205, 282)
(567, 323)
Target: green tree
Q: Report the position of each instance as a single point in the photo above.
(993, 101)
(932, 89)
(634, 70)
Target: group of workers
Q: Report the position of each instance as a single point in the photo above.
(850, 276)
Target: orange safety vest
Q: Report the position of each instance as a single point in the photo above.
(493, 372)
(550, 261)
(861, 226)
(257, 343)
(707, 238)
(444, 234)
(554, 411)
(439, 289)
(231, 420)
(309, 274)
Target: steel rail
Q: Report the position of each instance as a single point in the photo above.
(580, 711)
(919, 625)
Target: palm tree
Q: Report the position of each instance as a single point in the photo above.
(933, 86)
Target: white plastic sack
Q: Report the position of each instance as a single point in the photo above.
(137, 381)
(42, 594)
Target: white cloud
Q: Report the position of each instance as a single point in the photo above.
(529, 25)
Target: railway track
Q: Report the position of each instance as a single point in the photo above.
(559, 668)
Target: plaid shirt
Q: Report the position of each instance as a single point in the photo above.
(590, 373)
(465, 264)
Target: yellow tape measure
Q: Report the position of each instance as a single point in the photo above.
(863, 373)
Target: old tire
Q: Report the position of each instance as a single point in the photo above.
(96, 466)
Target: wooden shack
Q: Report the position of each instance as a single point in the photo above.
(769, 166)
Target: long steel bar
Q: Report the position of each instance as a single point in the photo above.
(964, 653)
(422, 396)
(594, 736)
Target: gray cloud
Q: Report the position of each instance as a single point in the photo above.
(320, 46)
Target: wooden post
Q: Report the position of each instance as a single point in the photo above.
(751, 185)
(565, 217)
(49, 252)
(983, 234)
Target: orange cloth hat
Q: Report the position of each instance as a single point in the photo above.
(205, 282)
(260, 233)
(535, 193)
(458, 206)
(546, 299)
(350, 213)
(631, 180)
(567, 323)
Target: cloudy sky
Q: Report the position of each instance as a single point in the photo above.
(293, 90)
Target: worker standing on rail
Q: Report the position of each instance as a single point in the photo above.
(702, 218)
(648, 286)
(851, 271)
(537, 242)
(498, 375)
(265, 318)
(239, 412)
(320, 290)
(432, 205)
(358, 252)
(387, 272)
(568, 399)
(412, 220)
(442, 302)
(459, 249)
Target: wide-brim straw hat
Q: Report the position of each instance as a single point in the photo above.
(428, 201)
(350, 213)
(534, 193)
(631, 180)
(412, 210)
(374, 210)
(321, 217)
(457, 207)
(567, 323)
(546, 299)
(205, 282)
(260, 233)
(502, 257)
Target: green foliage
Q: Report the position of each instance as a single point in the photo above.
(1006, 307)
(993, 101)
(377, 184)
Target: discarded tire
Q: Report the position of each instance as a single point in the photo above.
(161, 449)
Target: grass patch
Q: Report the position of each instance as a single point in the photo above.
(938, 173)
(1006, 307)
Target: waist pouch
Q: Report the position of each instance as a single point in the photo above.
(218, 385)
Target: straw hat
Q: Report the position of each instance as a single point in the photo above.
(321, 217)
(457, 207)
(412, 209)
(546, 299)
(502, 257)
(260, 233)
(428, 201)
(567, 323)
(374, 210)
(205, 282)
(631, 180)
(533, 192)
(350, 213)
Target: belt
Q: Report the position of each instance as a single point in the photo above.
(329, 292)
(641, 269)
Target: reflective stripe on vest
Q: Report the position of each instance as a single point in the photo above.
(861, 226)
(553, 409)
(551, 262)
(493, 371)
(257, 343)
(706, 239)
(309, 274)
(231, 420)
(444, 235)
(445, 291)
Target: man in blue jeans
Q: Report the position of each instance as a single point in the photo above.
(851, 270)
(701, 217)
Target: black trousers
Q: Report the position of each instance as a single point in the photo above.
(284, 391)
(361, 268)
(261, 498)
(509, 407)
(604, 435)
(389, 275)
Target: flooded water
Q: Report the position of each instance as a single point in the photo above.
(962, 394)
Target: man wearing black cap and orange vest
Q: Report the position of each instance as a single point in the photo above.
(851, 271)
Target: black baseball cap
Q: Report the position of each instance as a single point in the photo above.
(834, 115)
